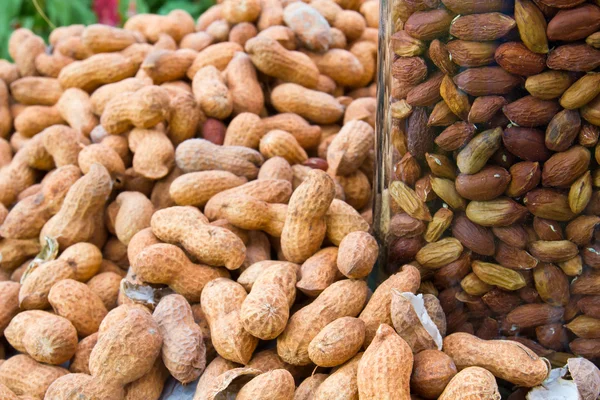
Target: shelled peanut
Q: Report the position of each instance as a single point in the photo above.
(492, 168)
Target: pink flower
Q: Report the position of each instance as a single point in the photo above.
(107, 11)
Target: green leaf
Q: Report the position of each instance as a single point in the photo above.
(191, 8)
(28, 22)
(123, 9)
(83, 14)
(141, 6)
(10, 11)
(153, 5)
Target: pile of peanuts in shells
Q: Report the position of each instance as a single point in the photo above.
(191, 202)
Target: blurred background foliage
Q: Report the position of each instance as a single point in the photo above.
(41, 15)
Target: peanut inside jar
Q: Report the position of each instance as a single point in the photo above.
(490, 166)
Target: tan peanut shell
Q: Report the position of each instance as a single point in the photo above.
(202, 155)
(412, 322)
(385, 367)
(267, 190)
(98, 153)
(278, 143)
(64, 32)
(277, 385)
(85, 386)
(497, 356)
(472, 383)
(276, 168)
(154, 153)
(96, 71)
(81, 359)
(226, 384)
(141, 109)
(197, 188)
(268, 360)
(185, 117)
(109, 266)
(378, 309)
(350, 147)
(75, 108)
(308, 388)
(247, 212)
(106, 286)
(9, 295)
(341, 299)
(73, 48)
(265, 311)
(77, 219)
(107, 39)
(167, 65)
(63, 144)
(342, 66)
(134, 213)
(150, 385)
(6, 393)
(318, 272)
(357, 255)
(271, 14)
(133, 343)
(432, 370)
(15, 252)
(8, 72)
(362, 108)
(273, 59)
(258, 248)
(342, 219)
(311, 28)
(7, 119)
(251, 273)
(339, 341)
(35, 90)
(23, 47)
(139, 241)
(313, 105)
(207, 384)
(183, 350)
(3, 213)
(342, 383)
(84, 259)
(305, 227)
(80, 262)
(101, 96)
(46, 337)
(211, 93)
(217, 55)
(34, 119)
(366, 52)
(38, 157)
(25, 376)
(308, 136)
(243, 84)
(27, 217)
(76, 302)
(221, 302)
(246, 129)
(176, 24)
(196, 41)
(209, 244)
(167, 264)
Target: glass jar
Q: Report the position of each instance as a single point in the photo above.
(488, 178)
